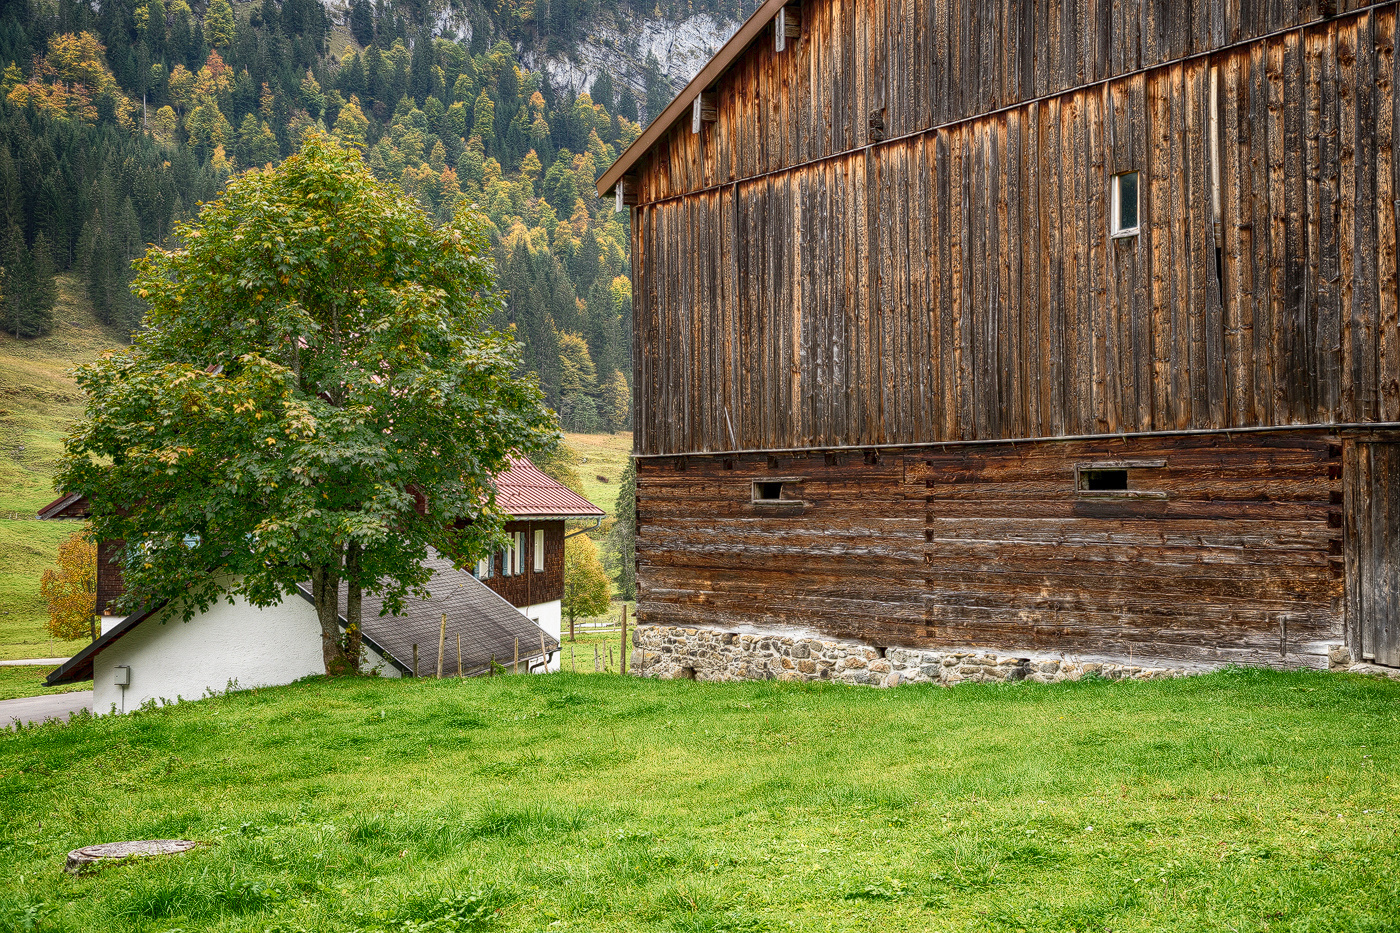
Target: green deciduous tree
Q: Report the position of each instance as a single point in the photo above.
(586, 588)
(314, 398)
(219, 24)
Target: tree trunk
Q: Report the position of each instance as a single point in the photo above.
(352, 610)
(325, 593)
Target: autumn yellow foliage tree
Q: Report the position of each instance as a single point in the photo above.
(73, 81)
(587, 591)
(71, 589)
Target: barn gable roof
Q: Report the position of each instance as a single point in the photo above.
(753, 29)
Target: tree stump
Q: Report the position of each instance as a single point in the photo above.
(80, 859)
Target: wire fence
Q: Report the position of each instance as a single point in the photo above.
(13, 516)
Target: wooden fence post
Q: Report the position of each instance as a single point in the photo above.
(597, 663)
(623, 657)
(442, 644)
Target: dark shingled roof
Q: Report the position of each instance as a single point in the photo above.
(489, 625)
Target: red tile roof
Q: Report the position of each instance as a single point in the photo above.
(525, 492)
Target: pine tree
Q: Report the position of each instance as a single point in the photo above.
(362, 22)
(578, 385)
(658, 89)
(43, 297)
(17, 283)
(602, 91)
(620, 549)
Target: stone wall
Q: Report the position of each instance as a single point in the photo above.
(671, 652)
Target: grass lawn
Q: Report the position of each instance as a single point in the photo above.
(1243, 800)
(29, 681)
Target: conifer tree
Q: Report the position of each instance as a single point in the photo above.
(219, 24)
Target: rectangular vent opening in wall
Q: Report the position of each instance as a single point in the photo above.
(767, 492)
(1119, 479)
(1102, 480)
(779, 491)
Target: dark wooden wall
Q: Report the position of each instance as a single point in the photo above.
(530, 588)
(1228, 551)
(110, 584)
(960, 283)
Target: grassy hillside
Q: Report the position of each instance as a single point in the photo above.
(1245, 800)
(601, 460)
(38, 401)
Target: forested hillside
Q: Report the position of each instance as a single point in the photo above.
(118, 117)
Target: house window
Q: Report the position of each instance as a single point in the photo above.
(508, 560)
(539, 550)
(519, 549)
(1125, 204)
(483, 567)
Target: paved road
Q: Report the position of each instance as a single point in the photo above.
(34, 662)
(38, 709)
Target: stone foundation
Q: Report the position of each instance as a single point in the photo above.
(670, 652)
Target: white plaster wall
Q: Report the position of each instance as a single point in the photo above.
(110, 622)
(254, 647)
(550, 617)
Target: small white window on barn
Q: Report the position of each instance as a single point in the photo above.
(539, 550)
(519, 549)
(1125, 204)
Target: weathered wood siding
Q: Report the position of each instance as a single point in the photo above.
(1372, 473)
(919, 64)
(1229, 551)
(960, 283)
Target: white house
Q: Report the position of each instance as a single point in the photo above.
(506, 609)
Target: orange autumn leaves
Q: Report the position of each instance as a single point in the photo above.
(71, 589)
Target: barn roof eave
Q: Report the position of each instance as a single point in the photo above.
(753, 27)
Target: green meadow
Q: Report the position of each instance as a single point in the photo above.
(1242, 800)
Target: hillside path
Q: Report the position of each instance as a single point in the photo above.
(39, 709)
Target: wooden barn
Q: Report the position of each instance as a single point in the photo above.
(1036, 328)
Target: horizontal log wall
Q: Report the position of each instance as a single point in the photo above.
(1229, 551)
(918, 64)
(961, 284)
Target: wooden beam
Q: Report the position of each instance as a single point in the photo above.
(625, 192)
(787, 25)
(704, 110)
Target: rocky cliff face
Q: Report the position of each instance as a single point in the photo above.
(618, 41)
(681, 47)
